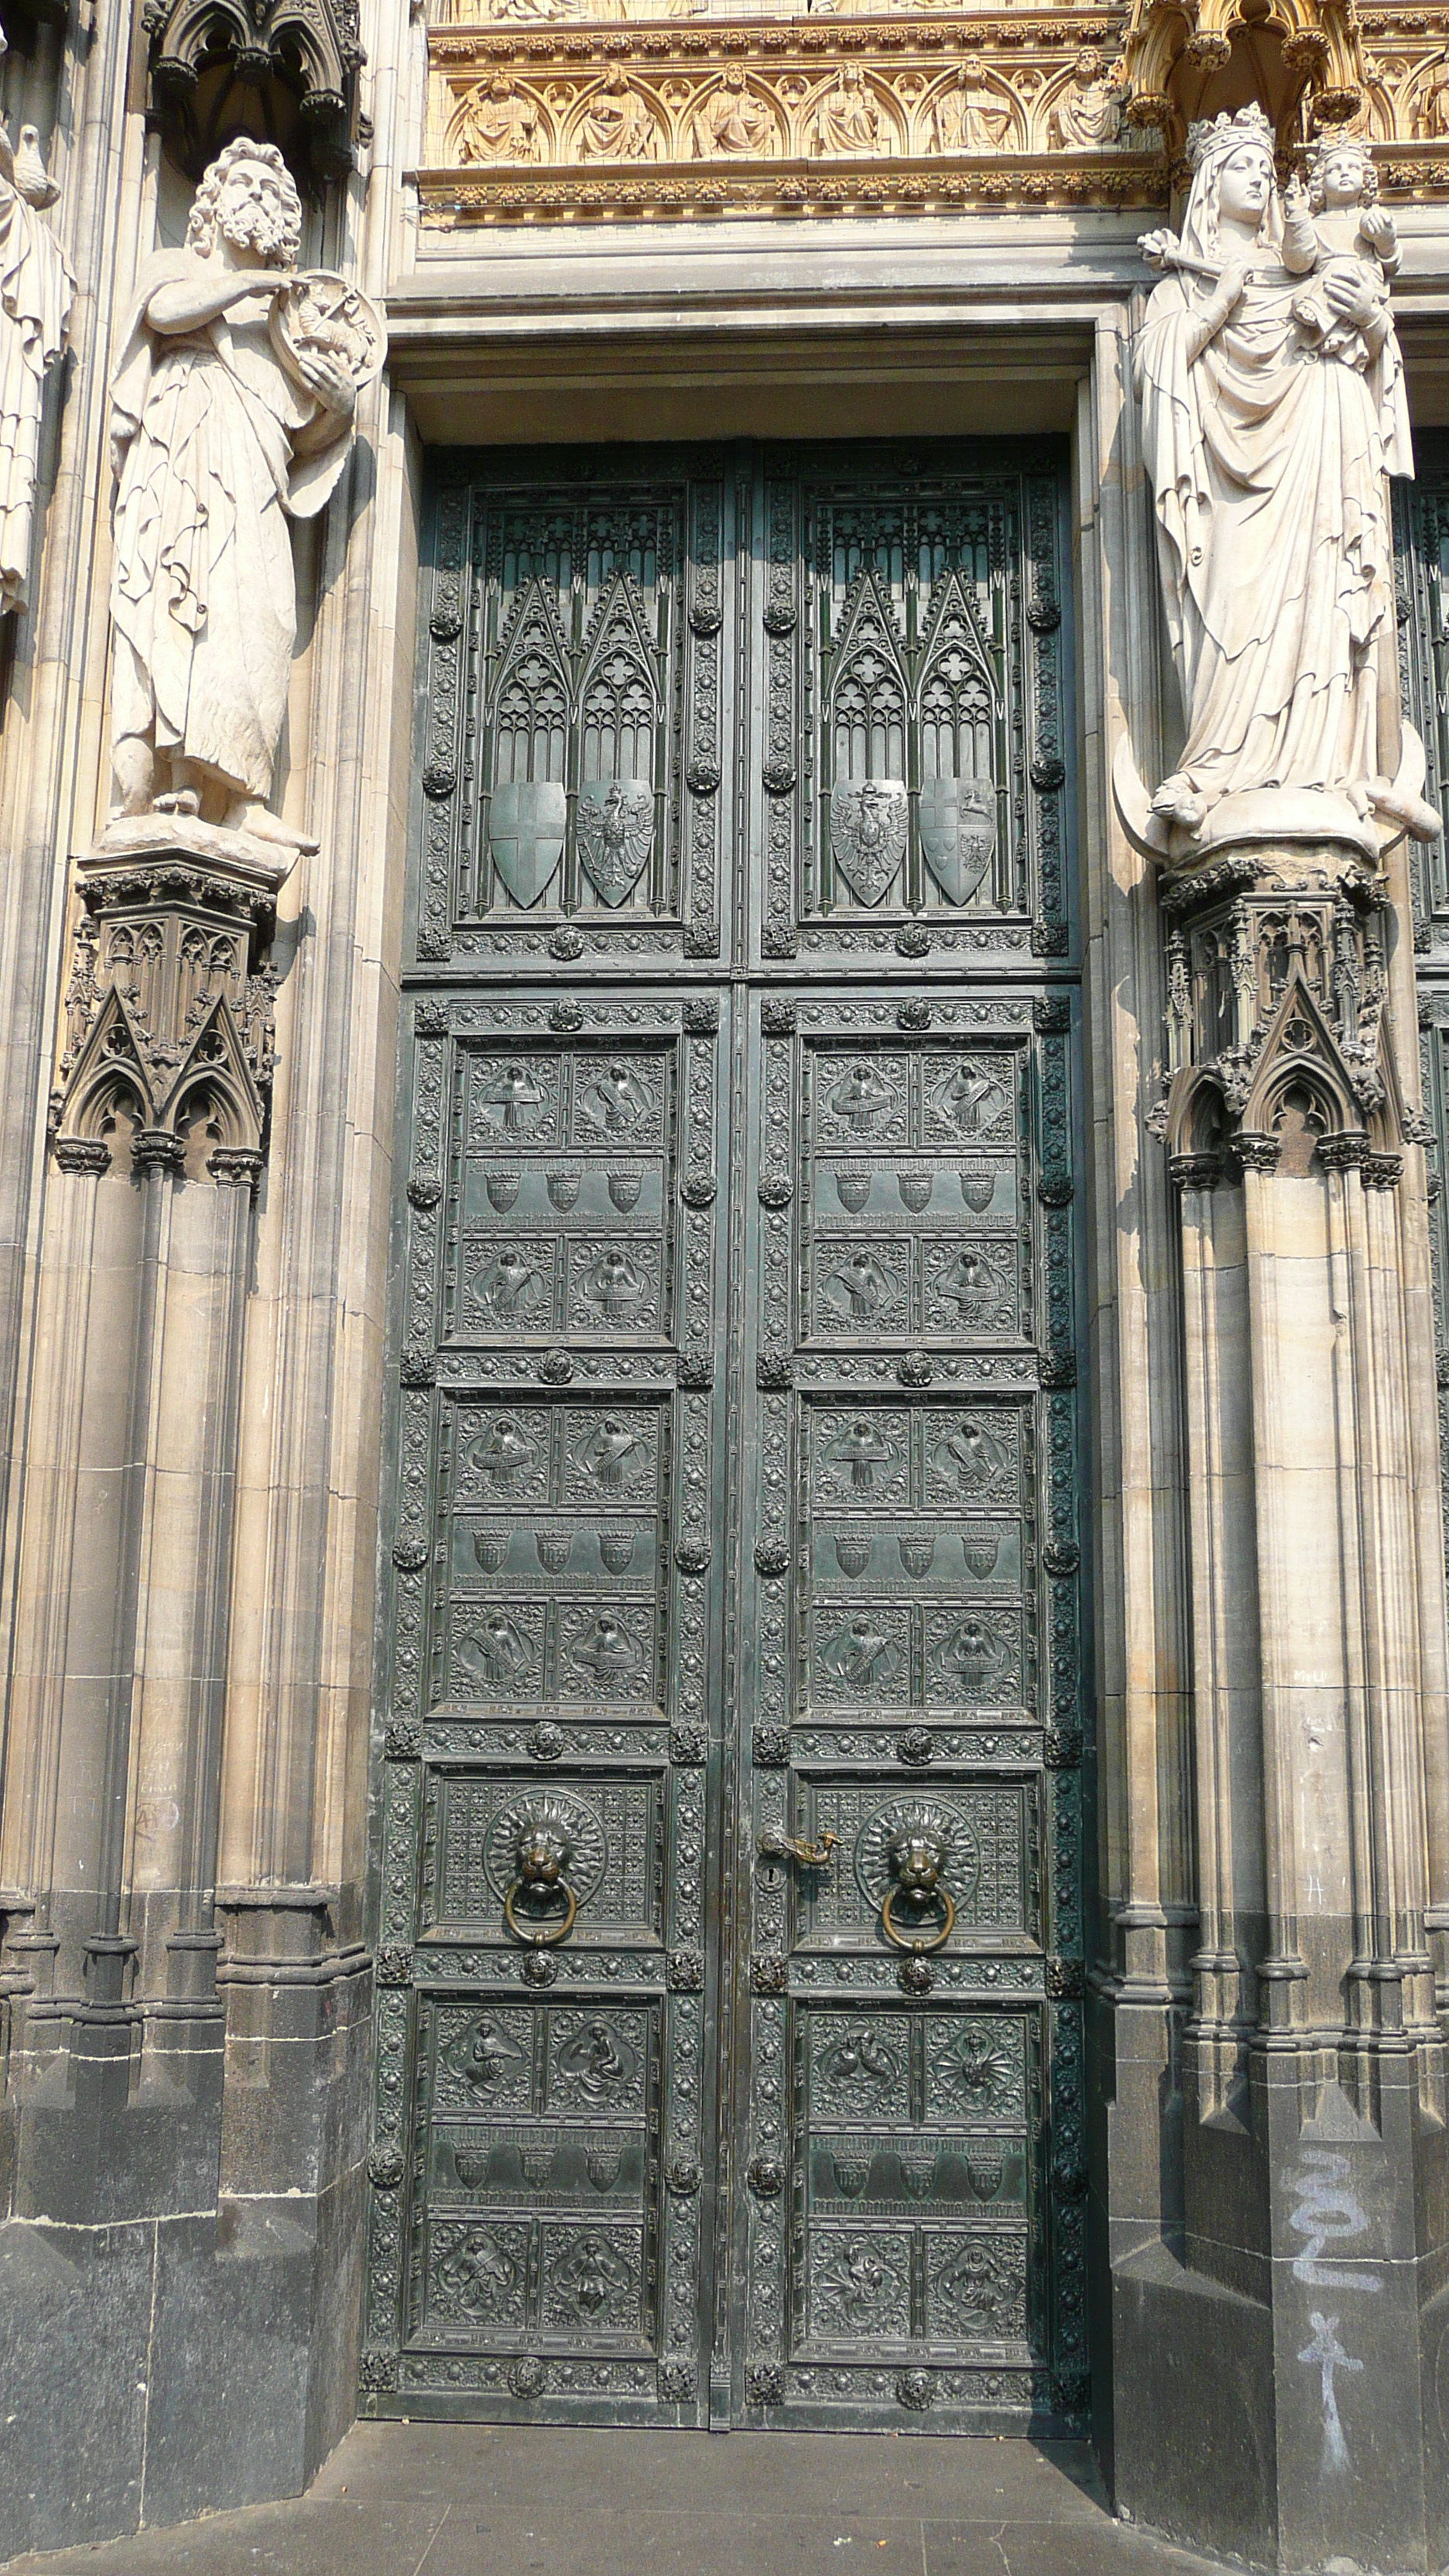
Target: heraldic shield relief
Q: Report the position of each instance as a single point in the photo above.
(615, 834)
(958, 833)
(526, 827)
(869, 826)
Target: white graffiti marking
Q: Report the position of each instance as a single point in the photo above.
(1327, 2213)
(1330, 2356)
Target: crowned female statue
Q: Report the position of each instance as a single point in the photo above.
(1270, 418)
(231, 414)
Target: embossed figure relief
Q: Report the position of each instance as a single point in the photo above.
(549, 1678)
(917, 1451)
(904, 1235)
(567, 1214)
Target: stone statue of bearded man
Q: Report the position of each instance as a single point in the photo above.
(216, 444)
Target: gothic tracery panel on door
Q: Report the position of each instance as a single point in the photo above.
(916, 706)
(571, 786)
(729, 1811)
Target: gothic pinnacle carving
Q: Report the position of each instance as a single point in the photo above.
(1277, 1051)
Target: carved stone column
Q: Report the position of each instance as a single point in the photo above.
(126, 1527)
(1301, 2335)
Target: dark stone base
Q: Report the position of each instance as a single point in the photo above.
(156, 2361)
(158, 2370)
(1278, 2355)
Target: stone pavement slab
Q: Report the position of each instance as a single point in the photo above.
(520, 2500)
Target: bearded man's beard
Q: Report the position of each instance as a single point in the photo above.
(255, 229)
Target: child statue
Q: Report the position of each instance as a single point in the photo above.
(1337, 226)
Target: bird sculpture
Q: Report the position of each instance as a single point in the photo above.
(32, 179)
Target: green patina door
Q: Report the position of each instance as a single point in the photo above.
(729, 1782)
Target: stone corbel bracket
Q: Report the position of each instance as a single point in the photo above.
(1278, 1053)
(285, 70)
(167, 1044)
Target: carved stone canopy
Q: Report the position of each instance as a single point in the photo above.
(284, 71)
(1301, 60)
(1279, 1055)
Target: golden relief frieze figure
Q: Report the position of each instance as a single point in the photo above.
(498, 123)
(846, 120)
(705, 115)
(976, 114)
(676, 105)
(735, 120)
(1086, 114)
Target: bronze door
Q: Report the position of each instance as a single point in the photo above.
(729, 1814)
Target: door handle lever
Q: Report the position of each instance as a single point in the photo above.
(775, 1846)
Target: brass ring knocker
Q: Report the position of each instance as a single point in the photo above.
(914, 1941)
(917, 1853)
(543, 1852)
(541, 1935)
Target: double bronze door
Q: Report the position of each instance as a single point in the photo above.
(729, 1812)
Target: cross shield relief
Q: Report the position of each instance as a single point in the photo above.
(526, 826)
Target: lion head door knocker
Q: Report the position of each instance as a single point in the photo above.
(542, 1855)
(905, 1859)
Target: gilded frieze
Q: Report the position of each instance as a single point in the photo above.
(599, 108)
(806, 115)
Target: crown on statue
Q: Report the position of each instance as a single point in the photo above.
(1212, 138)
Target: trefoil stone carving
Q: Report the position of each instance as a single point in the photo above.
(216, 64)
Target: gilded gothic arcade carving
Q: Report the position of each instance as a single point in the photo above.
(548, 108)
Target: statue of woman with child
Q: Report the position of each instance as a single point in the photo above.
(1273, 410)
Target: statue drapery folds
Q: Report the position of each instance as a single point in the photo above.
(36, 290)
(1272, 411)
(232, 414)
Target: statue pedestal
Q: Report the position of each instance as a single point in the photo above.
(168, 1012)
